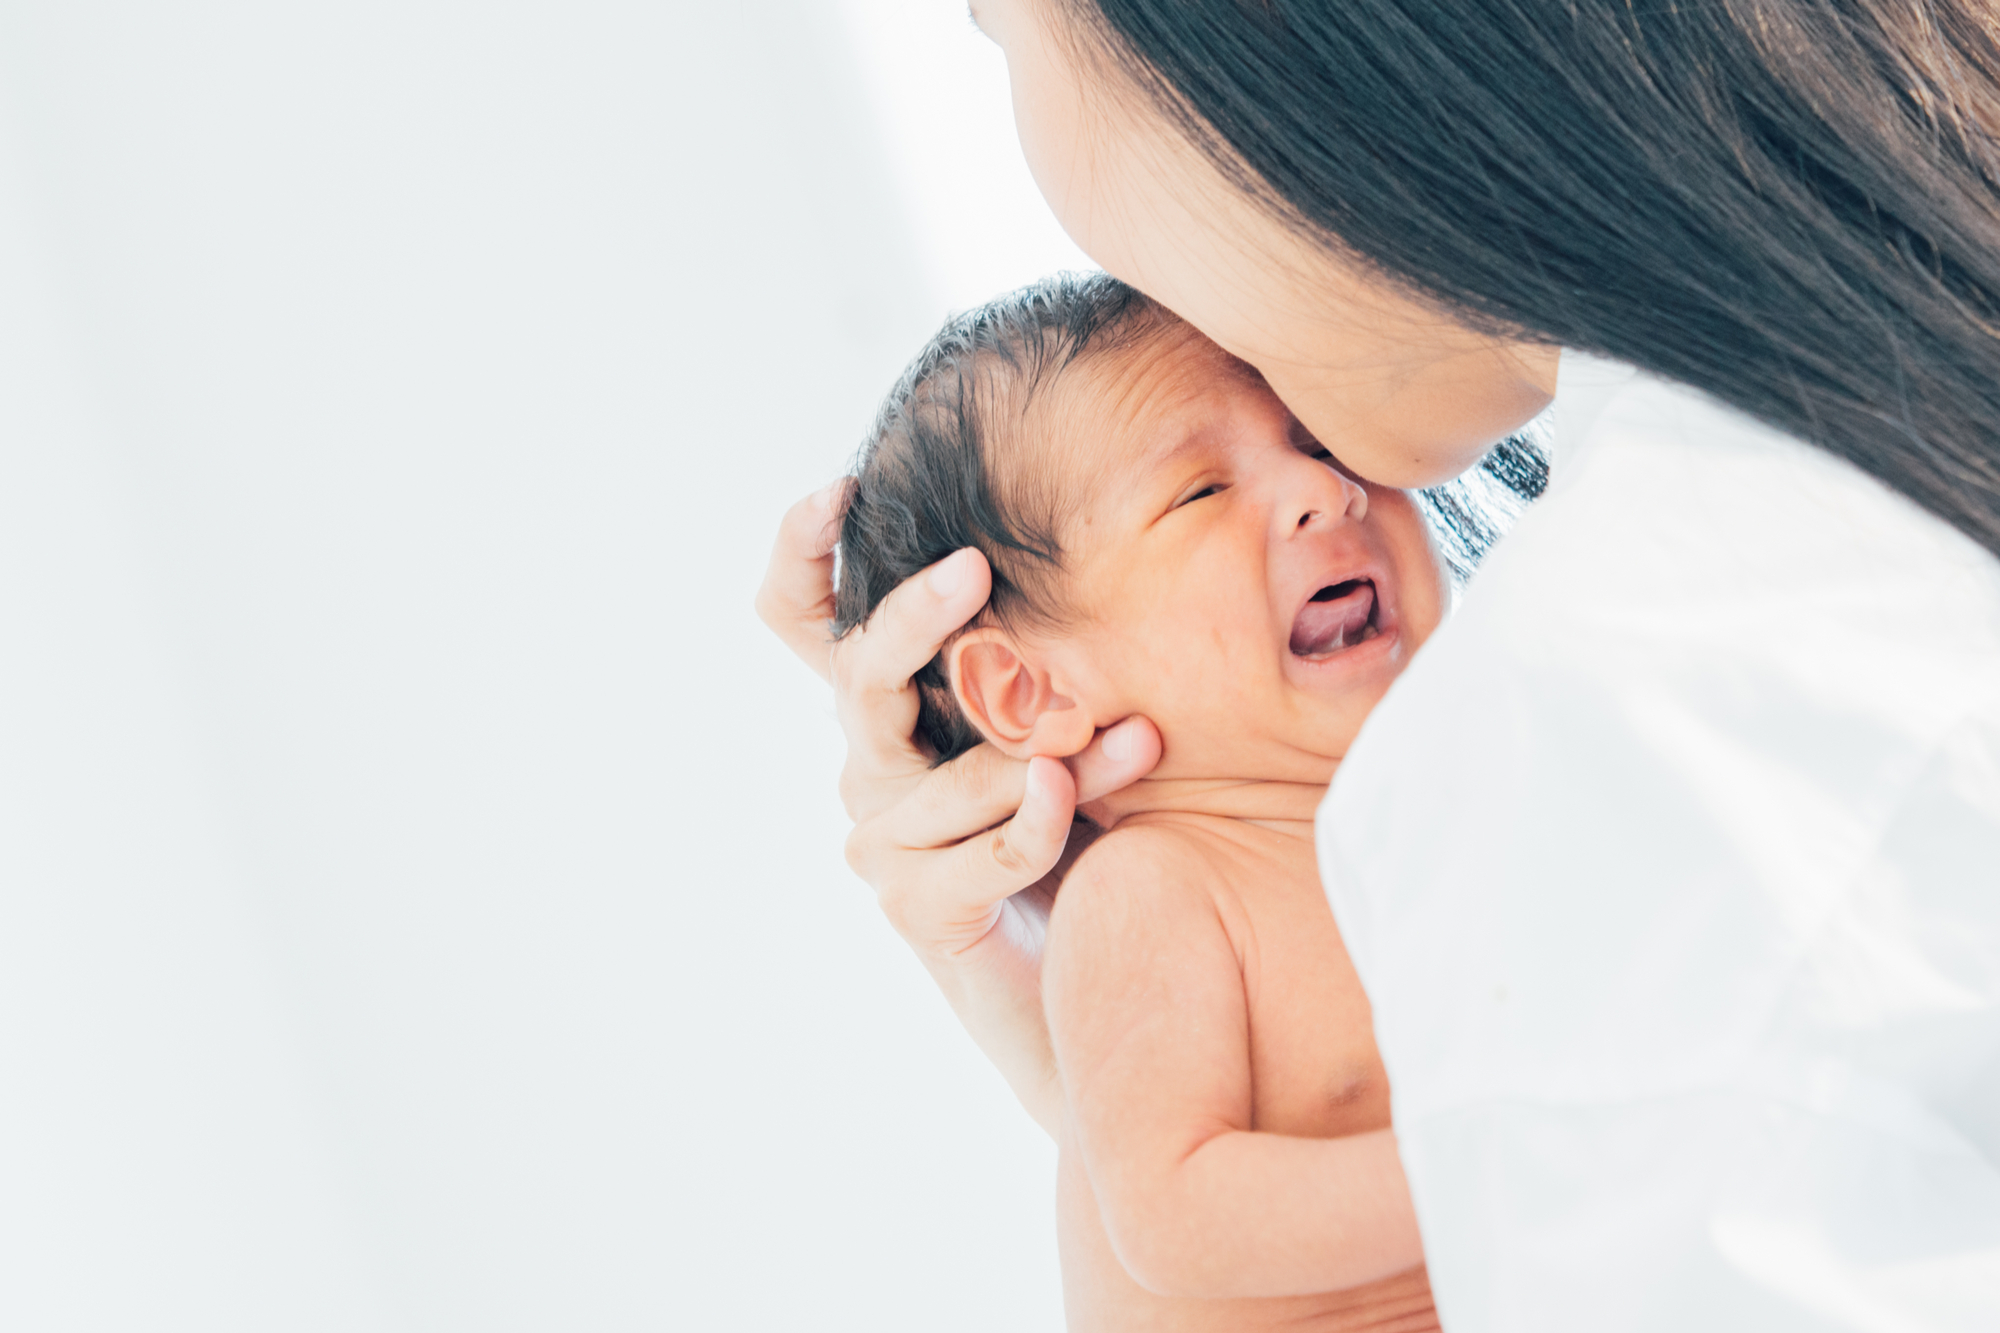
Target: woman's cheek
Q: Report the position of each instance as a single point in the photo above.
(1048, 123)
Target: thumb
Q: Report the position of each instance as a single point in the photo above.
(1119, 757)
(1034, 837)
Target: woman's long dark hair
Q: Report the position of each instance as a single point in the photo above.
(1793, 205)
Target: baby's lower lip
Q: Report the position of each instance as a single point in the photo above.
(1337, 618)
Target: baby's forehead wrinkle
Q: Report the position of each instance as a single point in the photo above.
(1168, 446)
(1149, 390)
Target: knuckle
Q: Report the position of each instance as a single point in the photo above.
(897, 910)
(902, 905)
(1014, 860)
(854, 677)
(795, 514)
(965, 780)
(802, 522)
(850, 794)
(766, 605)
(865, 791)
(860, 851)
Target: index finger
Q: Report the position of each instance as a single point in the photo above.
(873, 666)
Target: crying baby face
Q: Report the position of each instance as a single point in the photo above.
(1223, 577)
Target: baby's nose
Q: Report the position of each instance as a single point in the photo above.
(1324, 495)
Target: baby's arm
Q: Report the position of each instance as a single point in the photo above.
(1146, 1009)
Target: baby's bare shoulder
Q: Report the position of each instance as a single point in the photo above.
(1147, 877)
(1151, 854)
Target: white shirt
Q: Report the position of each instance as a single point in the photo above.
(1672, 870)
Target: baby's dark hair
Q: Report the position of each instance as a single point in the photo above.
(933, 476)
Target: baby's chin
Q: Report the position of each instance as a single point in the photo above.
(1325, 715)
(1320, 743)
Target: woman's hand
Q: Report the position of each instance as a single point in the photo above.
(963, 858)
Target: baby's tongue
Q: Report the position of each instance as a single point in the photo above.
(1328, 626)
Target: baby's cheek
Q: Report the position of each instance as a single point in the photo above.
(1422, 585)
(1174, 661)
(1185, 630)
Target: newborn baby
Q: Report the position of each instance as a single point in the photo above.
(1166, 540)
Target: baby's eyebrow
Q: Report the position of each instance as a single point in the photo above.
(1184, 442)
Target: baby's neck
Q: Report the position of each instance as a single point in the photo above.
(1285, 806)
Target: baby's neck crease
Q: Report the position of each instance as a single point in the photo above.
(1286, 805)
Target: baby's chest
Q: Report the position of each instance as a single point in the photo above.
(1313, 1063)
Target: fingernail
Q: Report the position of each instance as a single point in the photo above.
(1038, 786)
(1118, 743)
(948, 575)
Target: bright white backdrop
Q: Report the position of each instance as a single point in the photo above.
(421, 903)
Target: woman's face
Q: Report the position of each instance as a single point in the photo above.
(1402, 395)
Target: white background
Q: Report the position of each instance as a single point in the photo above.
(421, 903)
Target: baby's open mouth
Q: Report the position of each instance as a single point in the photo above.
(1338, 616)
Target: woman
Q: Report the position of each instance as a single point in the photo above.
(1672, 868)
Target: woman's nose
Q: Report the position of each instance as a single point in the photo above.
(1321, 495)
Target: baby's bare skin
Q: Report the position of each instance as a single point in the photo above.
(1239, 938)
(1227, 1161)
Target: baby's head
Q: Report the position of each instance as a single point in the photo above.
(1165, 539)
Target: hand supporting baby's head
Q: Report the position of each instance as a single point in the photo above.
(1165, 540)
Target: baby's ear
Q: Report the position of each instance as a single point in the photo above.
(1011, 699)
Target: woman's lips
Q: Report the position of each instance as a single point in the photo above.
(1338, 616)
